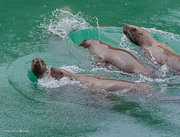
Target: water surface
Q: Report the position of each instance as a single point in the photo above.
(52, 30)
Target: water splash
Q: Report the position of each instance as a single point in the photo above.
(110, 69)
(73, 68)
(152, 58)
(62, 22)
(167, 35)
(125, 43)
(49, 82)
(151, 80)
(164, 69)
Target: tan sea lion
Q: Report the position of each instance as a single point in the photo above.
(40, 69)
(118, 57)
(152, 48)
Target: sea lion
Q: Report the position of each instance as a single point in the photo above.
(40, 69)
(152, 48)
(118, 57)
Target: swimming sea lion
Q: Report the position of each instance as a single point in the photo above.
(152, 48)
(40, 69)
(118, 57)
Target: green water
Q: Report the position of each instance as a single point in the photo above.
(31, 108)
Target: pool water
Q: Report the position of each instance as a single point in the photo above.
(53, 30)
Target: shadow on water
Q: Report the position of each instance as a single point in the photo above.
(18, 89)
(148, 113)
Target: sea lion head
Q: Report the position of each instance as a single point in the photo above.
(38, 67)
(137, 35)
(86, 43)
(57, 73)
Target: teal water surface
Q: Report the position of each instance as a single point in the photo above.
(52, 30)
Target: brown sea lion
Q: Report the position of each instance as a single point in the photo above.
(40, 69)
(152, 48)
(118, 57)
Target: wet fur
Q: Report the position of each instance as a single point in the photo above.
(118, 57)
(115, 48)
(91, 81)
(40, 69)
(162, 53)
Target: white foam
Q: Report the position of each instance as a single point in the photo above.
(72, 68)
(62, 22)
(167, 35)
(152, 58)
(49, 82)
(125, 43)
(164, 69)
(96, 69)
(157, 80)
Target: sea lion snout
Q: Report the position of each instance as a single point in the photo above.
(134, 34)
(36, 63)
(127, 31)
(85, 44)
(138, 35)
(125, 27)
(37, 60)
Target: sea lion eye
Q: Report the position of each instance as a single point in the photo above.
(61, 73)
(133, 29)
